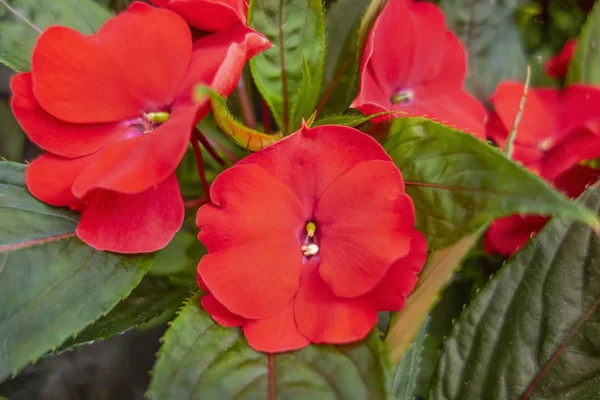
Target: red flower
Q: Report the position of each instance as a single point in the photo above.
(414, 64)
(114, 111)
(558, 130)
(558, 66)
(208, 15)
(302, 248)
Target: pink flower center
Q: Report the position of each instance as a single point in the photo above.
(147, 123)
(404, 96)
(310, 247)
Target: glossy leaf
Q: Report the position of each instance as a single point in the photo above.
(407, 372)
(200, 359)
(52, 285)
(488, 31)
(533, 331)
(21, 22)
(151, 299)
(459, 183)
(585, 64)
(297, 31)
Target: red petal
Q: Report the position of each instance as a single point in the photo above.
(362, 232)
(208, 15)
(275, 334)
(309, 160)
(452, 107)
(540, 116)
(507, 235)
(135, 64)
(50, 178)
(575, 180)
(139, 223)
(583, 144)
(324, 318)
(390, 293)
(219, 313)
(218, 61)
(137, 164)
(252, 235)
(557, 66)
(51, 134)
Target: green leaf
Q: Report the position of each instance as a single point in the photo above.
(350, 119)
(489, 33)
(438, 271)
(585, 64)
(533, 331)
(244, 136)
(200, 359)
(297, 31)
(52, 285)
(413, 373)
(21, 22)
(151, 299)
(406, 375)
(340, 84)
(459, 183)
(12, 138)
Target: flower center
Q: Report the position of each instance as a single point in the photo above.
(405, 96)
(310, 247)
(152, 120)
(546, 144)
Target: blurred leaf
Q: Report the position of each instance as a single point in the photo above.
(200, 359)
(489, 33)
(150, 299)
(533, 331)
(459, 183)
(585, 64)
(297, 31)
(12, 138)
(17, 37)
(434, 278)
(52, 285)
(178, 261)
(343, 20)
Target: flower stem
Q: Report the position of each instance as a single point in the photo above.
(246, 105)
(266, 117)
(209, 147)
(200, 164)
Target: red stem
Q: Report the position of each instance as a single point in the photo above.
(200, 164)
(247, 111)
(266, 116)
(208, 146)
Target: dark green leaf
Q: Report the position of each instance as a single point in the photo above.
(12, 138)
(152, 298)
(343, 20)
(200, 359)
(459, 183)
(51, 284)
(533, 331)
(585, 64)
(489, 33)
(297, 31)
(21, 25)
